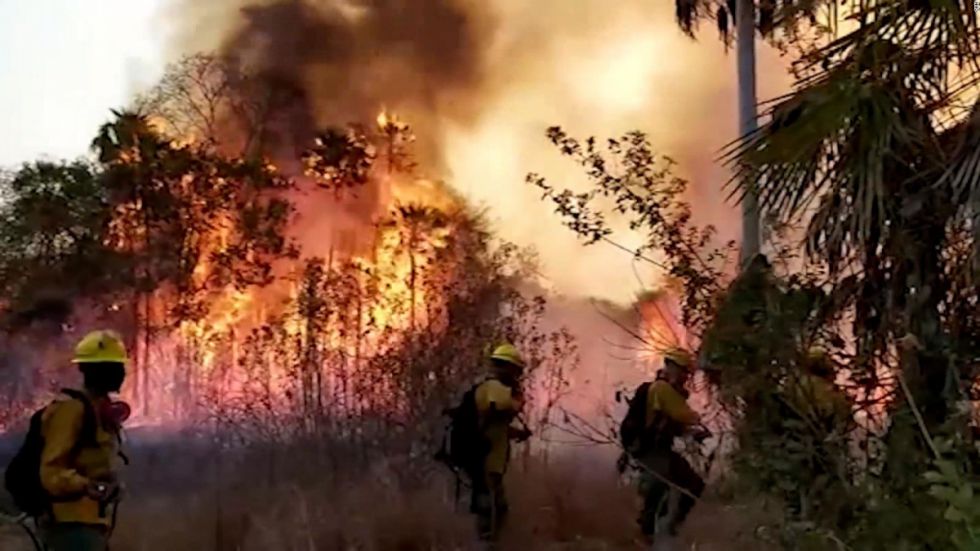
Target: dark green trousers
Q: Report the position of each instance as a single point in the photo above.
(657, 502)
(73, 536)
(489, 503)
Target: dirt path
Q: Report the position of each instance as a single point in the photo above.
(13, 538)
(714, 526)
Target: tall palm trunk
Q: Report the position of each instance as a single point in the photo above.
(747, 119)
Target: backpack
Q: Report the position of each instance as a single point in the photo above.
(633, 426)
(463, 444)
(22, 478)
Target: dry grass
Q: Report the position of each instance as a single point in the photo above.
(294, 500)
(570, 503)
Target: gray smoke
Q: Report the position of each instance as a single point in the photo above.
(339, 62)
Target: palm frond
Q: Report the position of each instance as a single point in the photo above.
(963, 174)
(721, 19)
(856, 136)
(687, 13)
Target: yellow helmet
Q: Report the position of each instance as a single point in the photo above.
(100, 347)
(508, 353)
(679, 356)
(818, 361)
(816, 353)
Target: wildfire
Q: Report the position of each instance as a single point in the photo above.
(272, 340)
(431, 193)
(227, 313)
(660, 326)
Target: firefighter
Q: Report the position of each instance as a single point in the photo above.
(815, 395)
(824, 415)
(498, 404)
(81, 448)
(667, 416)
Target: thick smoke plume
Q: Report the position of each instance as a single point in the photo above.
(330, 63)
(340, 62)
(481, 80)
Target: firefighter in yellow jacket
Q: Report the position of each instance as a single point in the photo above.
(824, 416)
(498, 403)
(668, 416)
(78, 471)
(815, 396)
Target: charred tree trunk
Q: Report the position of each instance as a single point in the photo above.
(307, 366)
(136, 370)
(412, 279)
(145, 354)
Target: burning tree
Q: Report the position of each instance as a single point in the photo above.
(193, 225)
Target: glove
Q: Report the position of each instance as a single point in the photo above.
(701, 434)
(522, 434)
(102, 490)
(622, 462)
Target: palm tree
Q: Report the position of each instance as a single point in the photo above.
(124, 144)
(747, 118)
(870, 147)
(171, 205)
(749, 16)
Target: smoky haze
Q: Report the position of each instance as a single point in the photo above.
(481, 80)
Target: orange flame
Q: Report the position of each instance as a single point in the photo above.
(213, 348)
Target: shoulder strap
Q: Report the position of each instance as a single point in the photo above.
(657, 407)
(89, 422)
(476, 386)
(638, 402)
(481, 421)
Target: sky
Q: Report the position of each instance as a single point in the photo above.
(64, 64)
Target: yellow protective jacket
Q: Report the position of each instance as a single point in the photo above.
(667, 414)
(66, 469)
(819, 400)
(497, 406)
